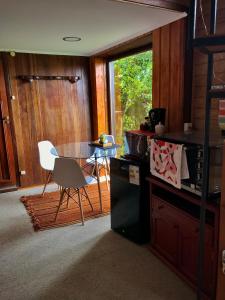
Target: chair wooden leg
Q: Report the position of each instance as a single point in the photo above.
(88, 198)
(60, 203)
(68, 197)
(46, 182)
(81, 208)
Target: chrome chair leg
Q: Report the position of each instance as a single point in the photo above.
(93, 170)
(106, 178)
(60, 203)
(98, 182)
(107, 164)
(81, 208)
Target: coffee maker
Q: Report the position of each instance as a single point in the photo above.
(156, 115)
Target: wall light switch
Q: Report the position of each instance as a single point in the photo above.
(22, 172)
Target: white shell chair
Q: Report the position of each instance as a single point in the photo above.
(104, 161)
(47, 156)
(68, 174)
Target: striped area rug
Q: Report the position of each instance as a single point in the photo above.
(43, 209)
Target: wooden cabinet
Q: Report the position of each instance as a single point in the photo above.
(175, 232)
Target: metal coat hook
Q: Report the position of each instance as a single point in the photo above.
(31, 78)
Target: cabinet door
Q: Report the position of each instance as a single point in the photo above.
(7, 165)
(165, 237)
(189, 245)
(189, 248)
(175, 235)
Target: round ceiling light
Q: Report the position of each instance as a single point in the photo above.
(71, 39)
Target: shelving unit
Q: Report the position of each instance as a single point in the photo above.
(209, 45)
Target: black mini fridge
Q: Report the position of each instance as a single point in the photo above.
(130, 204)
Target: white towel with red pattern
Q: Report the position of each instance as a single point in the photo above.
(168, 161)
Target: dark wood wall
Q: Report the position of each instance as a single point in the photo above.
(168, 72)
(55, 110)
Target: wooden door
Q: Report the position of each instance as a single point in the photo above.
(7, 163)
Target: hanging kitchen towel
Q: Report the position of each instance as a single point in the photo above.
(168, 162)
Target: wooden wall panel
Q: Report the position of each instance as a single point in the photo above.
(156, 67)
(99, 96)
(177, 57)
(56, 110)
(165, 70)
(168, 72)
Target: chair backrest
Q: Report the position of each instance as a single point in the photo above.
(47, 155)
(67, 173)
(110, 139)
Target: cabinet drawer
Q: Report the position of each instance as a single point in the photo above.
(161, 207)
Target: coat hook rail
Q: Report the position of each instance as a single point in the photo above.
(30, 78)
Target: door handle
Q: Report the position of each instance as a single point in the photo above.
(6, 120)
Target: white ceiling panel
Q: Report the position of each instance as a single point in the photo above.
(39, 26)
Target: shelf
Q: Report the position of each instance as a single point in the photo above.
(217, 93)
(210, 44)
(210, 205)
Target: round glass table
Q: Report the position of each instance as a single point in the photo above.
(84, 150)
(94, 153)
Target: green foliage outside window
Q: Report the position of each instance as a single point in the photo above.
(134, 74)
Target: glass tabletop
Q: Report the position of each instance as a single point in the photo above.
(84, 150)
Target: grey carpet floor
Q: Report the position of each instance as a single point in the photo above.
(76, 262)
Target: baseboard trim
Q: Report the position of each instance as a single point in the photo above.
(6, 189)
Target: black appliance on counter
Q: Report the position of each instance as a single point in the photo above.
(155, 116)
(193, 146)
(137, 144)
(130, 205)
